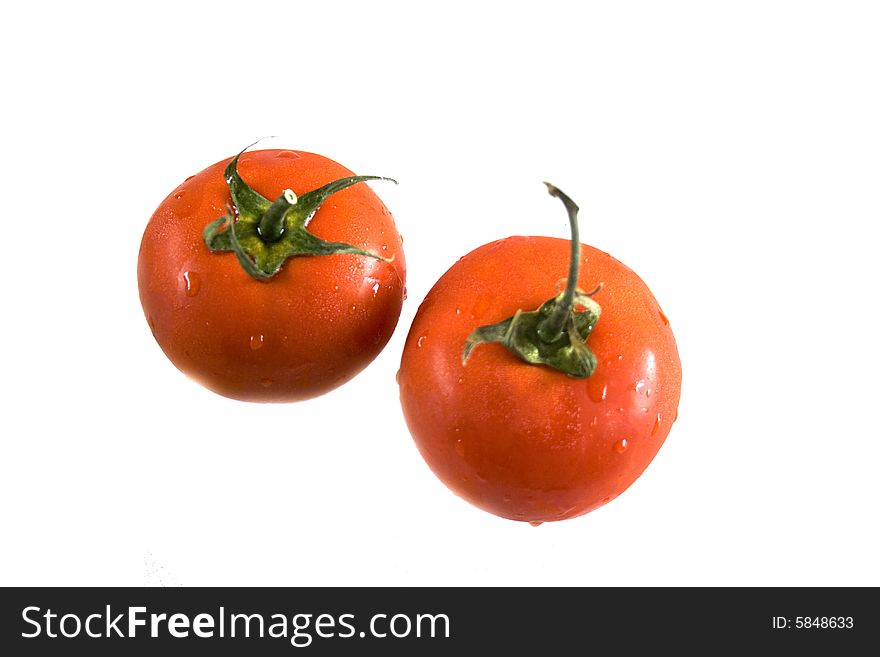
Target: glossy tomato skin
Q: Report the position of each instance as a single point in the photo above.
(312, 327)
(528, 442)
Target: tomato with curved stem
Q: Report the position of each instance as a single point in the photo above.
(547, 414)
(272, 300)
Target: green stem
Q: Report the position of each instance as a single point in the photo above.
(271, 226)
(551, 328)
(556, 333)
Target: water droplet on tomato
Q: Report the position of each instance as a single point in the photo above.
(188, 178)
(267, 382)
(353, 307)
(336, 288)
(536, 523)
(256, 341)
(458, 311)
(621, 445)
(640, 386)
(375, 289)
(594, 421)
(663, 317)
(676, 416)
(459, 447)
(421, 340)
(397, 377)
(656, 426)
(597, 389)
(185, 200)
(152, 326)
(288, 155)
(192, 283)
(404, 293)
(384, 247)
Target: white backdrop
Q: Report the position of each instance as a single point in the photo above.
(728, 152)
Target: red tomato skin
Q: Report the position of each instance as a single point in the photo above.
(528, 442)
(312, 327)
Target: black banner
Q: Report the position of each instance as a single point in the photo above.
(435, 621)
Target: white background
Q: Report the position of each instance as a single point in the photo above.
(729, 152)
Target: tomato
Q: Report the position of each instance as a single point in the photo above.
(280, 315)
(525, 440)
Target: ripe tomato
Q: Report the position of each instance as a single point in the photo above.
(527, 441)
(242, 317)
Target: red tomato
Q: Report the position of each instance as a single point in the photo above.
(297, 334)
(524, 441)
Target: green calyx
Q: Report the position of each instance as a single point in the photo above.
(555, 334)
(263, 234)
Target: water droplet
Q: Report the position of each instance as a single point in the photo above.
(656, 425)
(594, 421)
(256, 341)
(536, 523)
(676, 415)
(266, 383)
(288, 155)
(620, 446)
(597, 389)
(421, 340)
(404, 293)
(188, 178)
(663, 317)
(620, 357)
(640, 385)
(460, 380)
(459, 447)
(353, 307)
(507, 498)
(384, 246)
(152, 326)
(375, 289)
(336, 288)
(397, 377)
(606, 499)
(458, 311)
(185, 200)
(193, 283)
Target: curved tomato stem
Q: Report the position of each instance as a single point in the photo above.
(551, 328)
(555, 334)
(263, 234)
